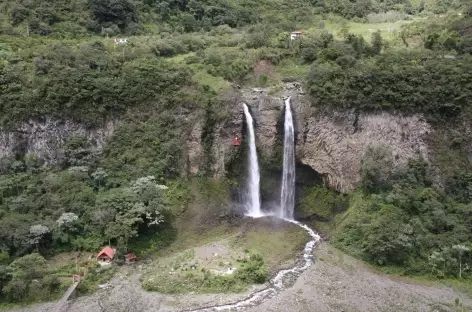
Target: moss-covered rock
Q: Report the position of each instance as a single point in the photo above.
(319, 202)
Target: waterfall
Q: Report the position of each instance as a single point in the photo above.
(287, 194)
(287, 276)
(253, 203)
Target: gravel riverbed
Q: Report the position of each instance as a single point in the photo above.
(336, 282)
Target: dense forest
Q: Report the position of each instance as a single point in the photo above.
(58, 59)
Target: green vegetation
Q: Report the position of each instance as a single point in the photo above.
(58, 60)
(319, 202)
(96, 275)
(189, 278)
(225, 258)
(276, 244)
(349, 73)
(401, 220)
(29, 279)
(395, 80)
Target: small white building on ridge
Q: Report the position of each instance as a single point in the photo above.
(295, 35)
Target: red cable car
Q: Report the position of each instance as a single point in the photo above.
(236, 141)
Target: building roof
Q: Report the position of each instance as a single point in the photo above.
(296, 32)
(108, 251)
(131, 256)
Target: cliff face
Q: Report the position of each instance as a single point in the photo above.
(215, 152)
(46, 138)
(332, 143)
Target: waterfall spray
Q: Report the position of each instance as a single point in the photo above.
(253, 202)
(287, 194)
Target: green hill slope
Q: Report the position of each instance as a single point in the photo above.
(182, 63)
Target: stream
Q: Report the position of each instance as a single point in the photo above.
(278, 283)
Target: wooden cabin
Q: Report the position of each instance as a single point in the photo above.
(131, 258)
(106, 254)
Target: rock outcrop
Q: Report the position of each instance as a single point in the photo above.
(333, 142)
(219, 140)
(46, 139)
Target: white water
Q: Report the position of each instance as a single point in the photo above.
(287, 193)
(253, 202)
(286, 212)
(277, 283)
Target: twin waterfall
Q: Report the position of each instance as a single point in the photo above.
(287, 194)
(253, 200)
(288, 276)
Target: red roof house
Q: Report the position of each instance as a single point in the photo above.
(106, 254)
(130, 258)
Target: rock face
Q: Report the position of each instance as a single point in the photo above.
(332, 142)
(46, 139)
(223, 135)
(219, 140)
(194, 149)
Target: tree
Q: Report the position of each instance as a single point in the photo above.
(68, 226)
(14, 234)
(387, 239)
(376, 43)
(66, 219)
(434, 259)
(4, 276)
(99, 176)
(22, 272)
(460, 251)
(37, 233)
(28, 267)
(119, 12)
(376, 168)
(125, 225)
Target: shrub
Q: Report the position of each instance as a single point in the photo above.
(252, 270)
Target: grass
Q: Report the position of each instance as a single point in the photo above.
(388, 30)
(96, 277)
(204, 78)
(180, 58)
(188, 271)
(277, 245)
(291, 70)
(185, 240)
(181, 269)
(200, 73)
(463, 285)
